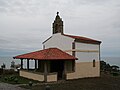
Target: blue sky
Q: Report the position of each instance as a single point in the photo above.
(25, 24)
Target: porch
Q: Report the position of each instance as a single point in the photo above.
(50, 65)
(48, 70)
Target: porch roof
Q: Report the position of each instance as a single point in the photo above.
(47, 54)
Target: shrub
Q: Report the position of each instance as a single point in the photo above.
(115, 74)
(30, 83)
(9, 71)
(11, 78)
(16, 80)
(5, 78)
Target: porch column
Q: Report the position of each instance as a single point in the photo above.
(35, 64)
(21, 63)
(64, 72)
(45, 71)
(27, 64)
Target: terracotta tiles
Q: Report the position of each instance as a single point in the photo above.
(47, 54)
(83, 39)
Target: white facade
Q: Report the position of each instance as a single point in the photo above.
(85, 52)
(59, 41)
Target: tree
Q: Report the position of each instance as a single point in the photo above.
(12, 64)
(102, 65)
(105, 66)
(115, 68)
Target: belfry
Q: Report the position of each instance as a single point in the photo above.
(58, 25)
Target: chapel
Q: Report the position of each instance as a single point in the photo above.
(63, 57)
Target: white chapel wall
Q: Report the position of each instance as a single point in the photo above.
(84, 66)
(87, 52)
(59, 41)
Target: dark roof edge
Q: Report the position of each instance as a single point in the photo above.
(46, 40)
(89, 41)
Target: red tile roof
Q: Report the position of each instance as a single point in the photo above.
(83, 39)
(47, 54)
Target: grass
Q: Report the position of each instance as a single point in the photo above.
(15, 79)
(105, 82)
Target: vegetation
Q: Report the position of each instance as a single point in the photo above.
(105, 67)
(15, 79)
(3, 66)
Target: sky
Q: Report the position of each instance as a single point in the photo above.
(25, 24)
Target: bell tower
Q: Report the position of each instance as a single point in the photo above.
(58, 24)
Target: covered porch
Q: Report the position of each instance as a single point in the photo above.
(50, 65)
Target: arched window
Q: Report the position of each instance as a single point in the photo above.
(94, 63)
(73, 47)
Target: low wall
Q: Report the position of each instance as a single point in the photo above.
(85, 69)
(31, 75)
(52, 77)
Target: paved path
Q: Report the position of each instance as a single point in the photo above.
(5, 86)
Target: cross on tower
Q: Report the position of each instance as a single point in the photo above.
(57, 13)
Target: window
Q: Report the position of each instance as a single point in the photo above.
(73, 53)
(73, 66)
(43, 46)
(73, 47)
(94, 63)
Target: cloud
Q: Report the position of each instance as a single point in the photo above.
(4, 41)
(24, 24)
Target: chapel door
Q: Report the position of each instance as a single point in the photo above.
(57, 66)
(60, 71)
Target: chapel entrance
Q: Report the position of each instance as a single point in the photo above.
(58, 66)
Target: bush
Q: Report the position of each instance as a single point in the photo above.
(115, 74)
(5, 78)
(30, 83)
(11, 78)
(9, 71)
(1, 71)
(16, 80)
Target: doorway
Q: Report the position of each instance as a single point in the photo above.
(57, 66)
